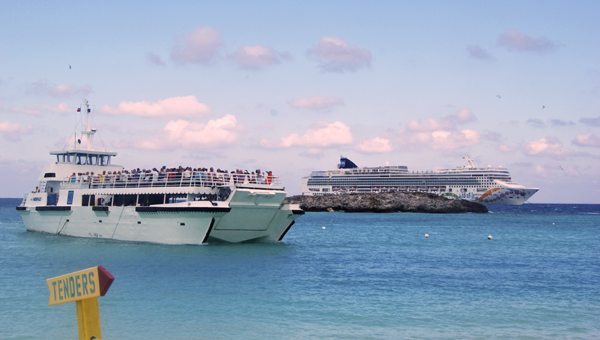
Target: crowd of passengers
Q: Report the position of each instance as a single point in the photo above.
(174, 175)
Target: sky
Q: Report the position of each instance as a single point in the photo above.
(291, 86)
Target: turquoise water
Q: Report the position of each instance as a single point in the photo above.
(366, 276)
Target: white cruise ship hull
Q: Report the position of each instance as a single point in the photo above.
(500, 196)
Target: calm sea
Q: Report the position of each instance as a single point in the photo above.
(366, 276)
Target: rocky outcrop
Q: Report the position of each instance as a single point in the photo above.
(386, 202)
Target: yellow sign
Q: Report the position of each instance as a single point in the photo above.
(76, 286)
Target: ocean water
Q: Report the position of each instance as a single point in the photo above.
(366, 276)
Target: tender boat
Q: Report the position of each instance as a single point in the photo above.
(82, 193)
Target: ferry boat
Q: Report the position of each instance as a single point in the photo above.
(82, 193)
(484, 185)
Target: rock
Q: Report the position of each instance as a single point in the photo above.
(386, 202)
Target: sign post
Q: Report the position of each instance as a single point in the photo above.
(82, 287)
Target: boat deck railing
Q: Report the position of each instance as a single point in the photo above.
(174, 179)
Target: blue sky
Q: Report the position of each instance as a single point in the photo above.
(291, 86)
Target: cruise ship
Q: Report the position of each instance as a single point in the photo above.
(469, 182)
(82, 193)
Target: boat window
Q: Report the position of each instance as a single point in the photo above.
(81, 159)
(70, 197)
(88, 200)
(126, 200)
(104, 160)
(92, 159)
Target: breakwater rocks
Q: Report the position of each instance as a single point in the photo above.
(386, 202)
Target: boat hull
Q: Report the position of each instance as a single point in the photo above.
(506, 196)
(255, 216)
(166, 225)
(125, 223)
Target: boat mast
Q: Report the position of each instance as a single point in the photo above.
(89, 133)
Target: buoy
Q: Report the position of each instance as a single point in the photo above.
(426, 235)
(323, 228)
(489, 237)
(552, 223)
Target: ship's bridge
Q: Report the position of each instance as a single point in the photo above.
(83, 157)
(76, 161)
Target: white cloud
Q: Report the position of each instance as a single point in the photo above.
(440, 139)
(312, 153)
(549, 146)
(316, 102)
(182, 107)
(61, 108)
(446, 123)
(215, 134)
(588, 139)
(200, 47)
(506, 148)
(445, 140)
(514, 40)
(429, 124)
(440, 134)
(13, 131)
(463, 116)
(374, 145)
(320, 135)
(255, 57)
(336, 55)
(66, 90)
